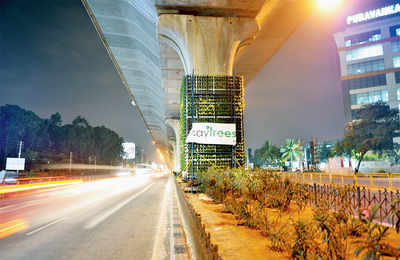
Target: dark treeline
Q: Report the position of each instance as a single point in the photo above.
(47, 140)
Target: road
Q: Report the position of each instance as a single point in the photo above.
(119, 218)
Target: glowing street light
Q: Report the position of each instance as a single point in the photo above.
(161, 155)
(328, 4)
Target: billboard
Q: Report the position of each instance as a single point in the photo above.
(212, 133)
(129, 151)
(15, 164)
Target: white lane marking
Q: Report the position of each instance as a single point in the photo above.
(110, 212)
(159, 250)
(171, 223)
(45, 226)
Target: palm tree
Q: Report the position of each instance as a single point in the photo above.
(291, 150)
(270, 152)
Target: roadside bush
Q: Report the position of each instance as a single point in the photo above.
(250, 196)
(305, 245)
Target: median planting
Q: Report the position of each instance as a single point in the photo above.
(303, 221)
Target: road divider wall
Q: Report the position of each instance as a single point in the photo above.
(199, 238)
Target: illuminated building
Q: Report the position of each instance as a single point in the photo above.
(369, 52)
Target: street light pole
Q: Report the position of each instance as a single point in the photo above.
(20, 149)
(70, 162)
(19, 153)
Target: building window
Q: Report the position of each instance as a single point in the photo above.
(369, 97)
(396, 46)
(396, 62)
(397, 77)
(364, 67)
(364, 52)
(395, 30)
(362, 38)
(366, 82)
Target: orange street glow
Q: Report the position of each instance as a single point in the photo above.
(11, 227)
(34, 186)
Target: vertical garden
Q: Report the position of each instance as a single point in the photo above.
(211, 99)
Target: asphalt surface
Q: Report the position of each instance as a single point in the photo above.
(118, 218)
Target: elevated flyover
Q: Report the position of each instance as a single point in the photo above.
(202, 37)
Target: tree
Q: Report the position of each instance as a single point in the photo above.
(270, 152)
(394, 156)
(108, 145)
(325, 151)
(374, 130)
(17, 124)
(291, 150)
(47, 140)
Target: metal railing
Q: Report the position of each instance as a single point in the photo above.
(355, 198)
(374, 180)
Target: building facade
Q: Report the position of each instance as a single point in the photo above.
(369, 52)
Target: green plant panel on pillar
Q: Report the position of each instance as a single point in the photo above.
(213, 99)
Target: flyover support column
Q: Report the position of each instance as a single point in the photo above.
(208, 47)
(174, 123)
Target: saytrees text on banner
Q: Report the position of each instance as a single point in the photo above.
(212, 133)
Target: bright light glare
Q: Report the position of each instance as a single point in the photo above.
(328, 4)
(122, 174)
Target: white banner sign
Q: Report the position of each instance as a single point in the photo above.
(212, 133)
(129, 151)
(15, 164)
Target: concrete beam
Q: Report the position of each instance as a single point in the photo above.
(206, 45)
(219, 8)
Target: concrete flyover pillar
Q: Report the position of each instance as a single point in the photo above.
(174, 123)
(208, 47)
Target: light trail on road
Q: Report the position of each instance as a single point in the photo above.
(35, 186)
(115, 218)
(13, 226)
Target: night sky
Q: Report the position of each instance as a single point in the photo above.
(51, 60)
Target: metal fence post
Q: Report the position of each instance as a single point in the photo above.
(358, 199)
(315, 193)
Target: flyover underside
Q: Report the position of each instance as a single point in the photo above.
(129, 33)
(211, 37)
